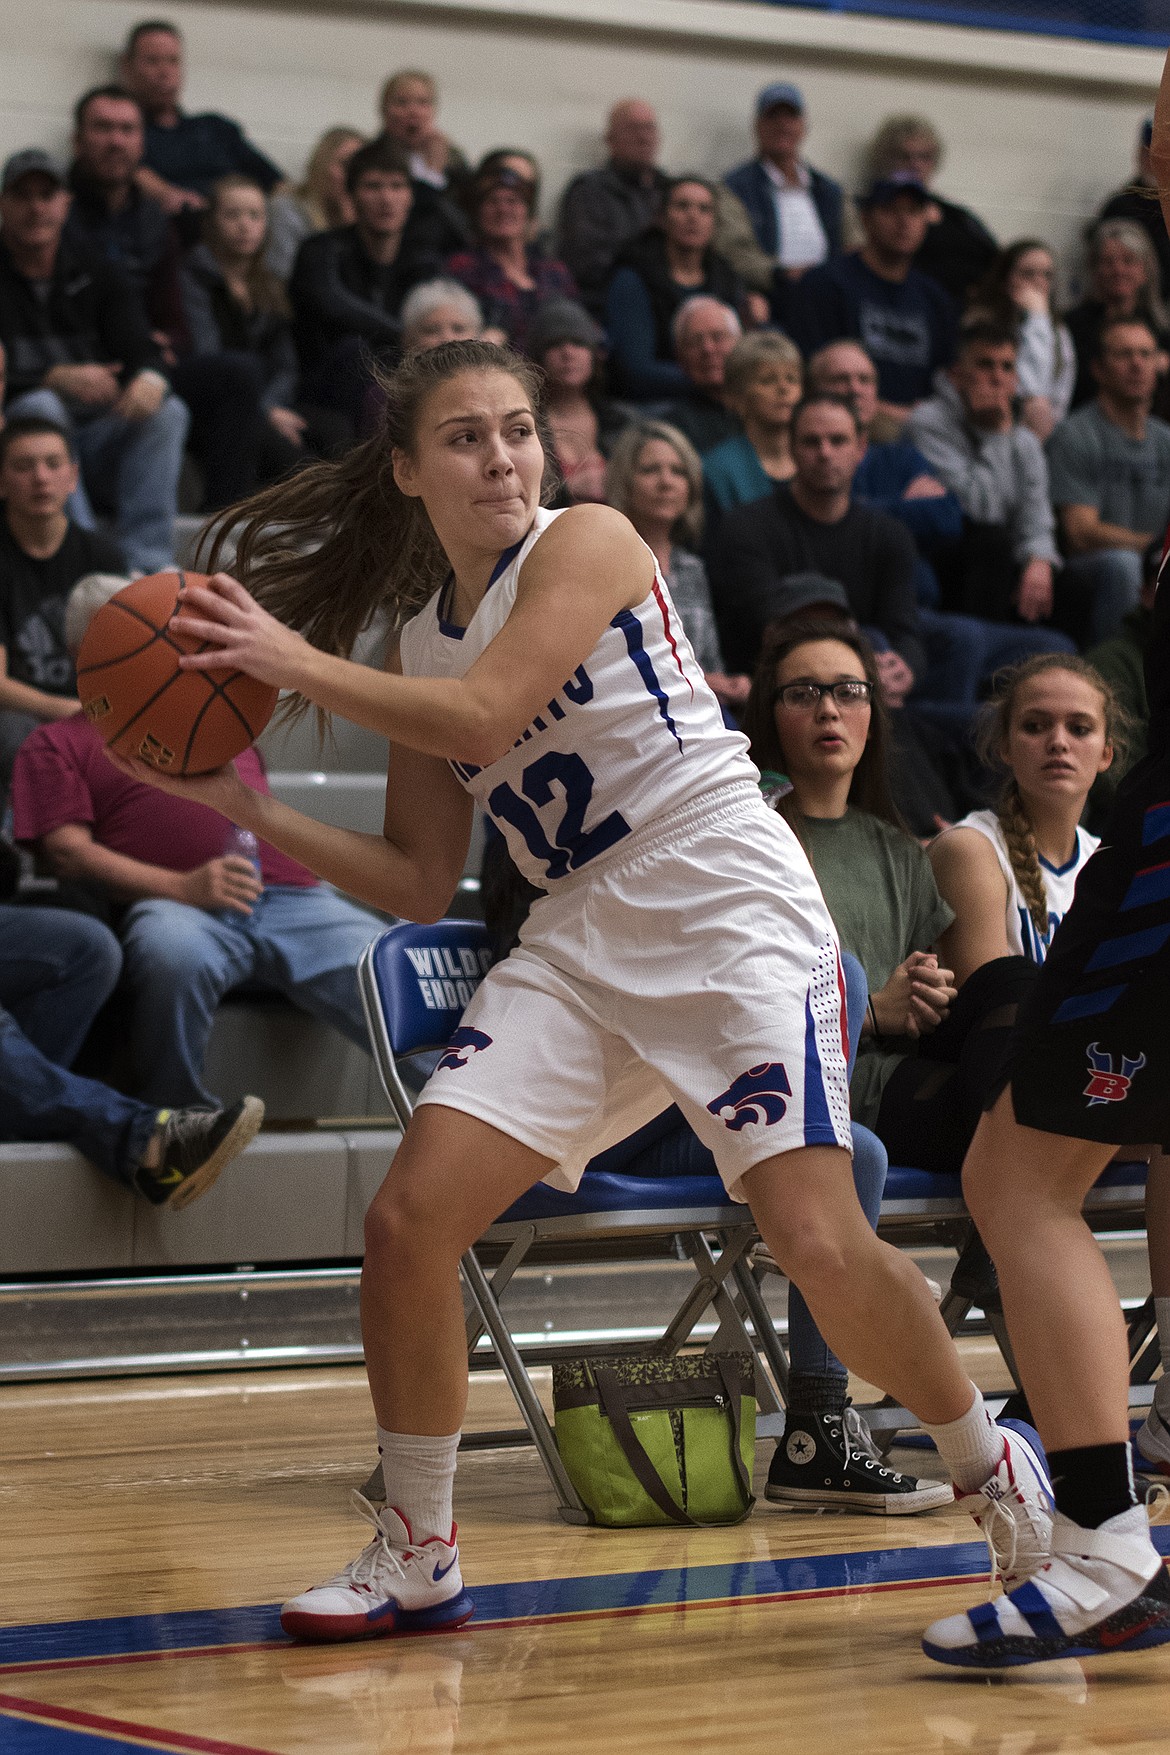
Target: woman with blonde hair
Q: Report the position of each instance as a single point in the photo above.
(763, 381)
(317, 204)
(959, 249)
(408, 104)
(655, 478)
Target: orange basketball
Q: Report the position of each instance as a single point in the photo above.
(132, 690)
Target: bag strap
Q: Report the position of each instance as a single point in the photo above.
(613, 1401)
(734, 1390)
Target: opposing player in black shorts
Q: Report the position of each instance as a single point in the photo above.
(1088, 1070)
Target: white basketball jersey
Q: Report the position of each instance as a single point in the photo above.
(634, 733)
(1059, 883)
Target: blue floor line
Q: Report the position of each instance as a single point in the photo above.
(197, 1629)
(19, 1737)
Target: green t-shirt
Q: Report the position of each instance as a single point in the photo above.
(1091, 462)
(880, 890)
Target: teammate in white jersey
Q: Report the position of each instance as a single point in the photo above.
(1010, 873)
(682, 949)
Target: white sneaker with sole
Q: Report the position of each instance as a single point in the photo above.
(1102, 1591)
(396, 1585)
(1014, 1508)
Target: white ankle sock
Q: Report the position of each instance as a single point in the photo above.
(1162, 1310)
(971, 1446)
(419, 1474)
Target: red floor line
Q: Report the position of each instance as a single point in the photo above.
(37, 1666)
(50, 1665)
(154, 1738)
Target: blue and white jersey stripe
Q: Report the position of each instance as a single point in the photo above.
(632, 735)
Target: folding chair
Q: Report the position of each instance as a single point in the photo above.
(415, 982)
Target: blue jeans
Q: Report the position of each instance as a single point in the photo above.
(1111, 581)
(180, 961)
(56, 970)
(129, 467)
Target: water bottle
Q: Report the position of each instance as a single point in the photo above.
(242, 844)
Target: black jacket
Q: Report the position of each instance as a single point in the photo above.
(763, 543)
(138, 240)
(91, 314)
(647, 257)
(337, 291)
(217, 323)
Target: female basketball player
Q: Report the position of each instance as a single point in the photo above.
(1009, 873)
(681, 951)
(1089, 1071)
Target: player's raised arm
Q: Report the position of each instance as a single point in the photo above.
(590, 565)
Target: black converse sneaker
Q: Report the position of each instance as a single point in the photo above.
(196, 1144)
(828, 1462)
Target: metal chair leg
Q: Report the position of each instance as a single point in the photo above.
(570, 1505)
(767, 1340)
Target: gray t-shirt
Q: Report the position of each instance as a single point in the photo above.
(879, 888)
(1091, 462)
(691, 596)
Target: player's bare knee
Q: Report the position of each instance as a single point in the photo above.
(815, 1259)
(398, 1230)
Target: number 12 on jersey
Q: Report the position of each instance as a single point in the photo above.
(572, 845)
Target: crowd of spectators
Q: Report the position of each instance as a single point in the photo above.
(860, 406)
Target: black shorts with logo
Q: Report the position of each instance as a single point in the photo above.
(1090, 1054)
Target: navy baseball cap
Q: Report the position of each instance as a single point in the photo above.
(886, 189)
(23, 164)
(773, 96)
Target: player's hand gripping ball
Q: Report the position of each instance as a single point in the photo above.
(132, 689)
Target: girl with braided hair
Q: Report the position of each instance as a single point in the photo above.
(1009, 873)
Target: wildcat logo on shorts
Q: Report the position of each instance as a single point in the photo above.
(1107, 1085)
(755, 1096)
(463, 1044)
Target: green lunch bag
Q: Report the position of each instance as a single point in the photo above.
(652, 1440)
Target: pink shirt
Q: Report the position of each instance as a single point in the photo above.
(62, 776)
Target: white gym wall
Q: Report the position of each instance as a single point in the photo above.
(1039, 129)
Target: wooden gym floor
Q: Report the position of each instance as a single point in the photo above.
(149, 1528)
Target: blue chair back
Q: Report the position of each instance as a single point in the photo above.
(415, 982)
(425, 977)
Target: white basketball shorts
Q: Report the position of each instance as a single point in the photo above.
(697, 966)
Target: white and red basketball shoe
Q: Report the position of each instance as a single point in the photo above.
(1014, 1508)
(396, 1585)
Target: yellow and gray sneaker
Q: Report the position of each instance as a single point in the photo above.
(194, 1146)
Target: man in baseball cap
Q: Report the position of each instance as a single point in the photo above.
(796, 211)
(876, 295)
(29, 163)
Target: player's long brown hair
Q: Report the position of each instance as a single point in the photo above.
(991, 741)
(329, 547)
(869, 788)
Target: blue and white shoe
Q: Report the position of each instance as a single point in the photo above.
(1014, 1508)
(1102, 1591)
(396, 1585)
